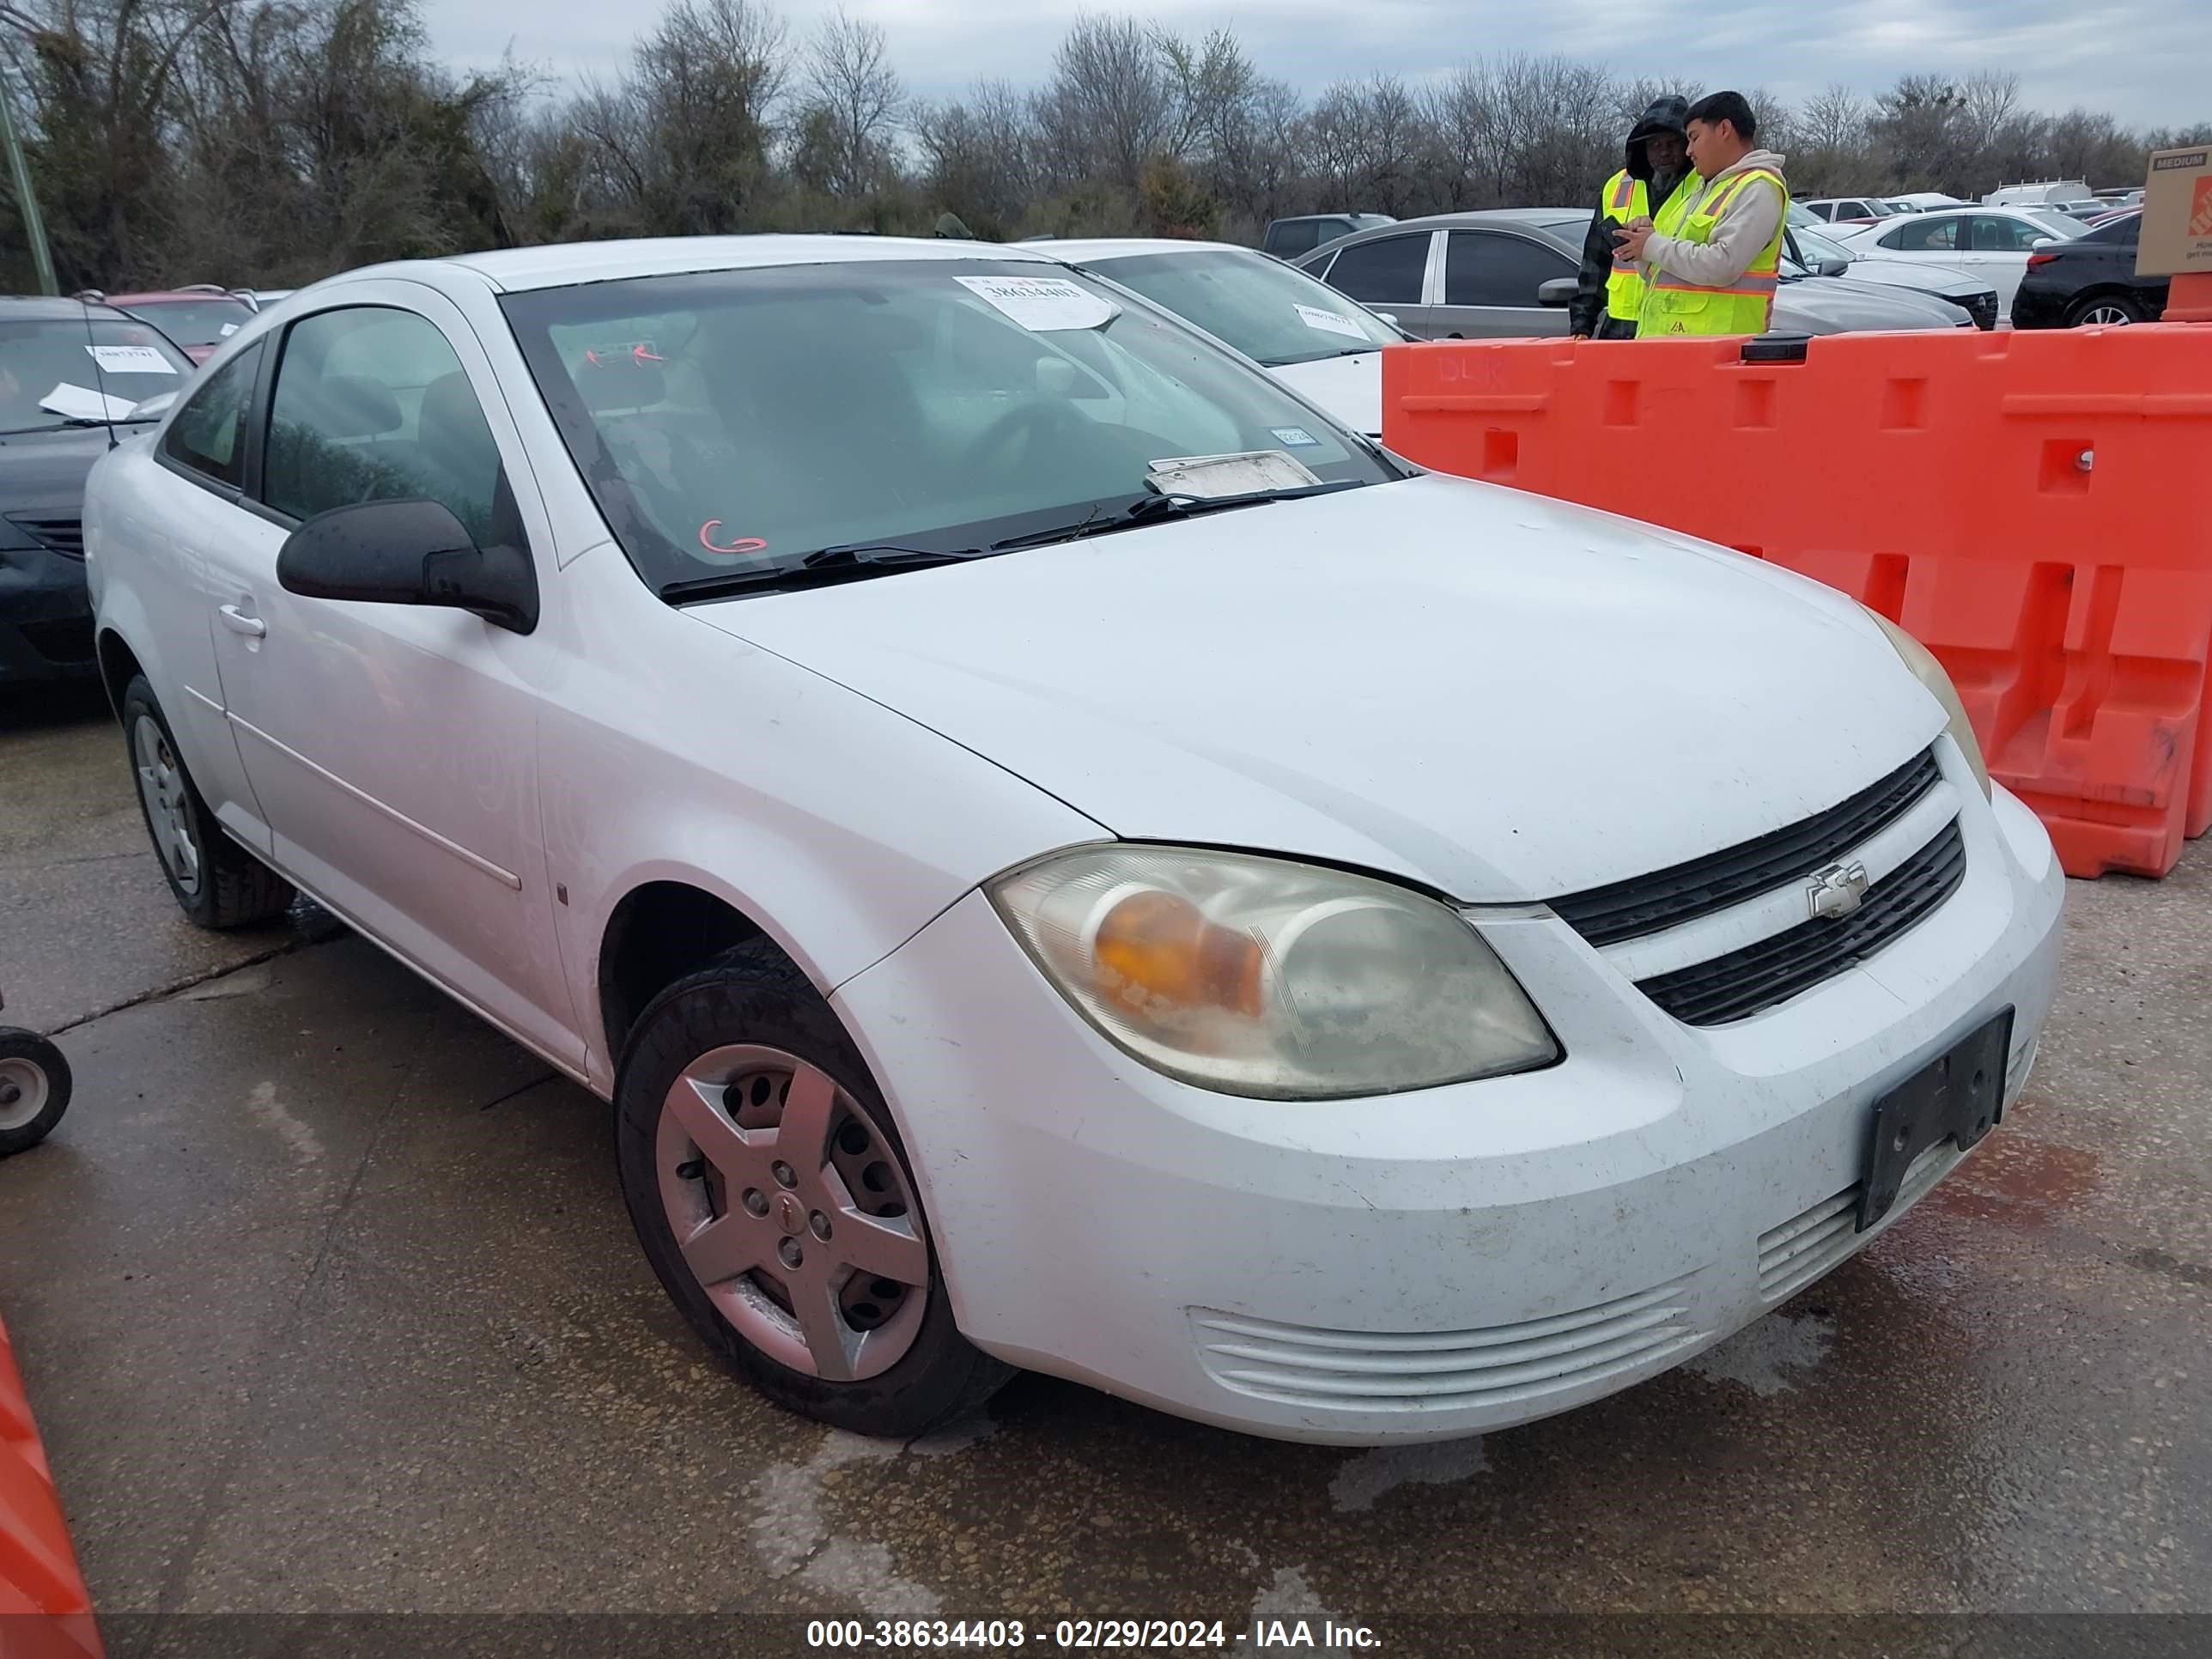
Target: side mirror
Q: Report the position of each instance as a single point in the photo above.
(1389, 317)
(1558, 291)
(1835, 267)
(408, 553)
(2045, 241)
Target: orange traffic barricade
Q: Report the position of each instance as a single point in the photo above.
(44, 1612)
(2029, 505)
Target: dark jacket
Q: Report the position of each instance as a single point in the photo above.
(1665, 115)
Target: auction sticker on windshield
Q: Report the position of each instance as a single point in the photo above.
(1043, 304)
(1330, 322)
(130, 360)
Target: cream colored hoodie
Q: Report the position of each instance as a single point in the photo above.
(1745, 227)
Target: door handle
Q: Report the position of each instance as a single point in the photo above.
(239, 622)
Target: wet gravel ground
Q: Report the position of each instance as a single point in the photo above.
(328, 1305)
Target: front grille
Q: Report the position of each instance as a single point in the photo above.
(1983, 308)
(1742, 982)
(1502, 1364)
(67, 642)
(61, 535)
(1683, 892)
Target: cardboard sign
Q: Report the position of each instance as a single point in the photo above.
(130, 360)
(2177, 215)
(1330, 322)
(1043, 304)
(81, 402)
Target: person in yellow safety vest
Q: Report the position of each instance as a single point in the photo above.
(1655, 178)
(1717, 271)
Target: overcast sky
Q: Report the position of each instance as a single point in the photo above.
(2144, 60)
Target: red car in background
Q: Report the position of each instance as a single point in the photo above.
(198, 319)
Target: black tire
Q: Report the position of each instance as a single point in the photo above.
(753, 995)
(235, 890)
(28, 1060)
(2078, 312)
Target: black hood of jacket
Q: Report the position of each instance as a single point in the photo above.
(1665, 115)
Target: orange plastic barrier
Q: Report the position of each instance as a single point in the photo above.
(45, 1612)
(2030, 506)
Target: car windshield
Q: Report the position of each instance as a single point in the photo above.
(2058, 223)
(195, 322)
(57, 370)
(1817, 247)
(732, 424)
(1267, 311)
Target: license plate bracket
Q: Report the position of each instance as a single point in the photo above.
(1958, 1096)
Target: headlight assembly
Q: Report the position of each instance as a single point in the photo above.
(1258, 976)
(1930, 673)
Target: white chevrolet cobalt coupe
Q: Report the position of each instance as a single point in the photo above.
(1059, 855)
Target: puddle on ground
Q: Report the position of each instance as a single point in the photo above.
(2017, 1179)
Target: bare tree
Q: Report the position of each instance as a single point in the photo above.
(1110, 105)
(1991, 98)
(858, 98)
(1233, 125)
(978, 156)
(274, 141)
(689, 126)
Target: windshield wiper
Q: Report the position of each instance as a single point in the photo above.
(849, 562)
(62, 424)
(1151, 509)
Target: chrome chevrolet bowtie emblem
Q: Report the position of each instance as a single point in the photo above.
(1838, 890)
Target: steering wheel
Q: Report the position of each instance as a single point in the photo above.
(1041, 418)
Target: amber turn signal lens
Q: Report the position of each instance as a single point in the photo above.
(1156, 947)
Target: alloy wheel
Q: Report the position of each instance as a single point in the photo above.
(169, 813)
(792, 1212)
(2107, 313)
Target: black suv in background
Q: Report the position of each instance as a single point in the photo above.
(2091, 279)
(70, 374)
(1287, 239)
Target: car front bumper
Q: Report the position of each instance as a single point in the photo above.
(45, 616)
(1446, 1261)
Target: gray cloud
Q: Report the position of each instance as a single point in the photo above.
(2142, 60)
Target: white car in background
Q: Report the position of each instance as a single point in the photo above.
(1991, 244)
(1059, 855)
(1814, 247)
(1324, 345)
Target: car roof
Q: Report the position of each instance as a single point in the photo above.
(1530, 218)
(36, 307)
(1123, 248)
(520, 270)
(157, 295)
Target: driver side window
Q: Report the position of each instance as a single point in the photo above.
(371, 404)
(1993, 234)
(1924, 236)
(208, 436)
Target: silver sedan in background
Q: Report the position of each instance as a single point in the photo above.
(1510, 271)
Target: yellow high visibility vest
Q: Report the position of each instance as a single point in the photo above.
(1672, 306)
(1628, 197)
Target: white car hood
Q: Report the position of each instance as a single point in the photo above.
(1498, 695)
(1348, 388)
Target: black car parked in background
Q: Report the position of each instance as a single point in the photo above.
(1287, 239)
(70, 376)
(2091, 279)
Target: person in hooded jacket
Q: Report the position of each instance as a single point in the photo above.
(1714, 267)
(1654, 177)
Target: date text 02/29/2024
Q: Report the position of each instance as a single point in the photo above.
(1082, 1635)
